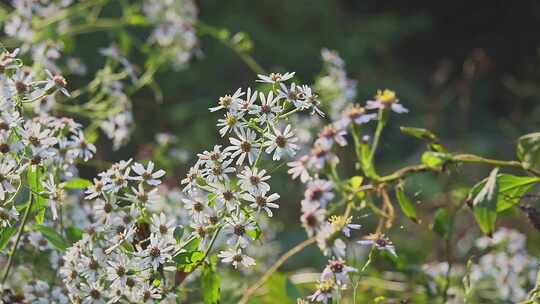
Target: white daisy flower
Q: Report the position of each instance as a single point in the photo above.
(147, 175)
(236, 258)
(244, 146)
(281, 142)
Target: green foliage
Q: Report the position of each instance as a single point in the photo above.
(210, 283)
(407, 206)
(77, 183)
(511, 189)
(442, 223)
(485, 204)
(528, 151)
(53, 237)
(33, 176)
(5, 235)
(435, 160)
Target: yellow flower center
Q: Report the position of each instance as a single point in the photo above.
(386, 96)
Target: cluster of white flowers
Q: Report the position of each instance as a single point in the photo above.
(20, 25)
(174, 30)
(321, 161)
(507, 264)
(124, 248)
(44, 144)
(227, 189)
(503, 271)
(38, 157)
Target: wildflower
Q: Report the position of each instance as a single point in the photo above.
(269, 108)
(337, 270)
(236, 257)
(318, 193)
(299, 169)
(93, 293)
(218, 171)
(81, 148)
(148, 293)
(157, 253)
(275, 77)
(8, 175)
(33, 135)
(254, 181)
(161, 226)
(311, 100)
(323, 292)
(262, 202)
(281, 142)
(355, 114)
(295, 95)
(55, 193)
(56, 81)
(244, 146)
(226, 195)
(7, 215)
(237, 230)
(331, 134)
(380, 242)
(384, 100)
(196, 205)
(320, 156)
(118, 269)
(147, 175)
(232, 121)
(209, 157)
(229, 102)
(312, 220)
(246, 104)
(344, 224)
(96, 189)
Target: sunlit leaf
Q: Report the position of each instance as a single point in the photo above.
(528, 150)
(407, 206)
(77, 183)
(435, 160)
(210, 283)
(485, 204)
(511, 189)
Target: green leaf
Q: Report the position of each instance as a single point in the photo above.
(73, 234)
(5, 236)
(442, 225)
(528, 150)
(435, 160)
(33, 176)
(190, 256)
(178, 233)
(77, 183)
(210, 284)
(485, 204)
(407, 206)
(53, 237)
(255, 234)
(511, 189)
(365, 161)
(419, 133)
(137, 20)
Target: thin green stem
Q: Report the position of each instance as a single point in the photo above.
(383, 117)
(18, 238)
